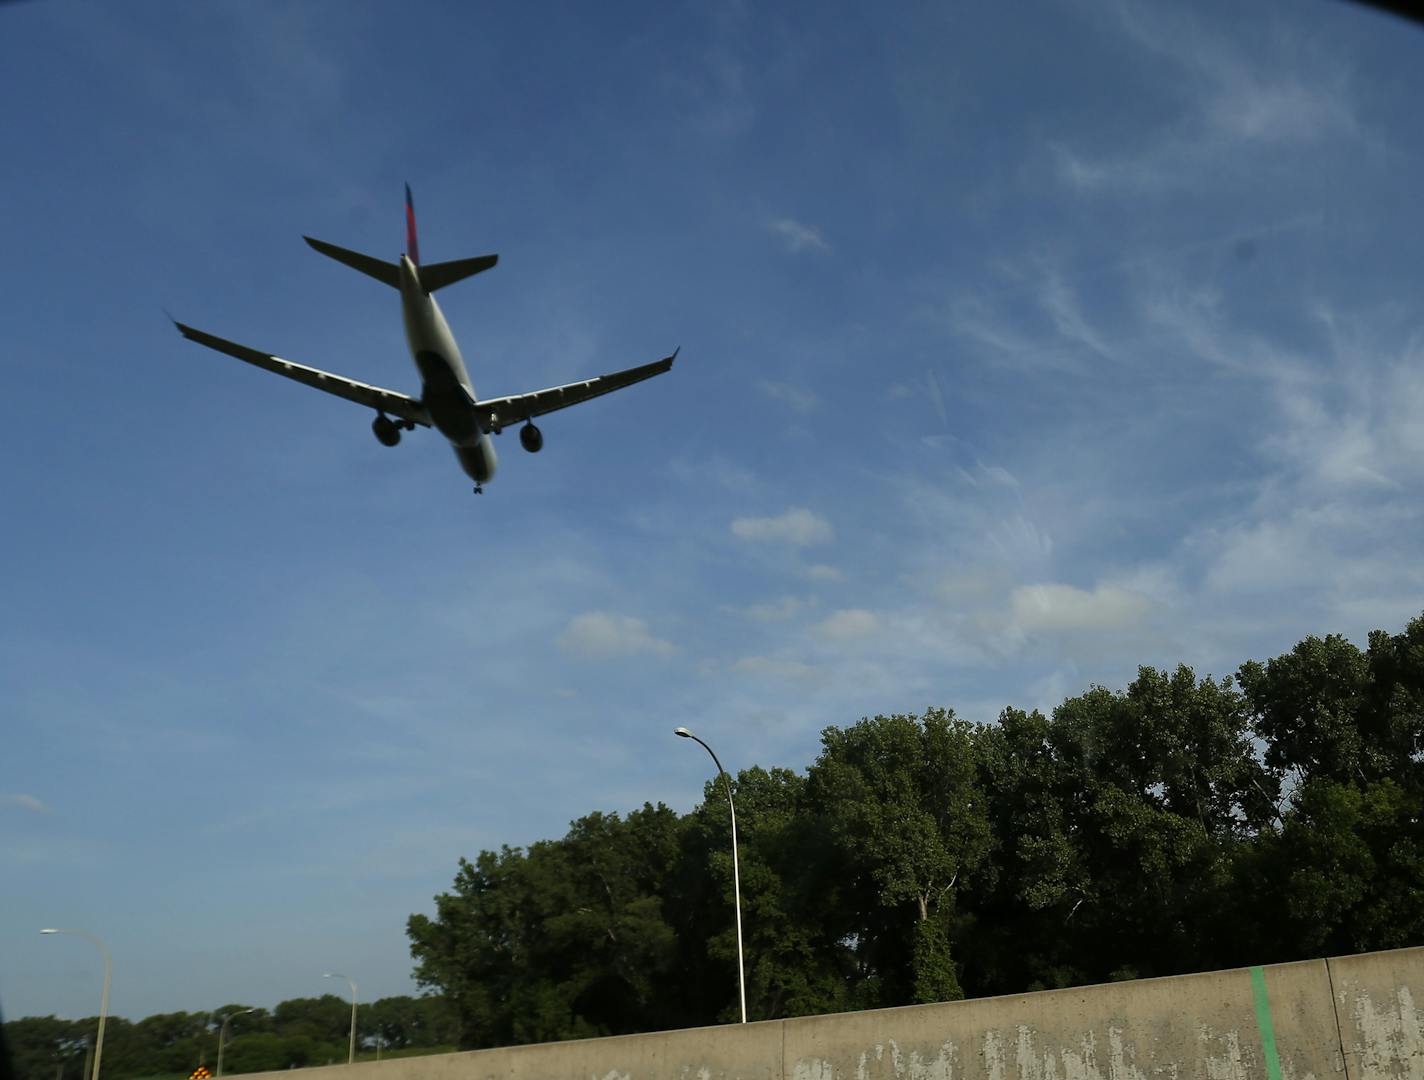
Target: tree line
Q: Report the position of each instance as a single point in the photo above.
(302, 1031)
(1182, 824)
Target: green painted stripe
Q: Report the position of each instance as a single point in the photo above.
(1264, 1022)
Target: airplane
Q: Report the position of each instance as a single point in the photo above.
(447, 399)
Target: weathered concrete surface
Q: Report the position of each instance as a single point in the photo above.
(1379, 1002)
(727, 1052)
(1194, 1025)
(1211, 1026)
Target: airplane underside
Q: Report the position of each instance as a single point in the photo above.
(447, 402)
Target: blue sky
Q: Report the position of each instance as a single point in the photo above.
(1020, 347)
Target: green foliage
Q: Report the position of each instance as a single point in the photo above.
(900, 796)
(568, 939)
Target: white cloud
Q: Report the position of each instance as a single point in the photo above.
(1066, 608)
(1002, 341)
(600, 635)
(823, 572)
(798, 527)
(799, 237)
(1264, 556)
(1059, 300)
(1019, 541)
(28, 802)
(1236, 97)
(780, 611)
(988, 476)
(799, 398)
(850, 624)
(1357, 431)
(771, 667)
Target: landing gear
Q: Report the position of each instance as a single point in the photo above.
(479, 490)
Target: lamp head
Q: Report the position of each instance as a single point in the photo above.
(683, 732)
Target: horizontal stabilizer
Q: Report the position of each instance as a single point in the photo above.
(437, 275)
(376, 268)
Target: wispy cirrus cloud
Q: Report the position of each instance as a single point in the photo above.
(772, 667)
(797, 527)
(602, 635)
(25, 802)
(799, 237)
(850, 624)
(1235, 98)
(800, 399)
(782, 610)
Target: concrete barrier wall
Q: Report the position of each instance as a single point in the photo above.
(1381, 1026)
(1194, 1025)
(1353, 1018)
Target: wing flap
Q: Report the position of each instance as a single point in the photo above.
(505, 411)
(374, 397)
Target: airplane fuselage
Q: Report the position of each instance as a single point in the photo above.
(446, 390)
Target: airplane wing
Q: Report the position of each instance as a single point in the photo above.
(386, 401)
(505, 411)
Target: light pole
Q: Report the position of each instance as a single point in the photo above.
(351, 1054)
(736, 872)
(103, 1000)
(222, 1033)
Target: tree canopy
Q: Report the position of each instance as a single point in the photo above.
(302, 1031)
(1183, 824)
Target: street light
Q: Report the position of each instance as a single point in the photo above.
(351, 1054)
(103, 1000)
(222, 1033)
(736, 872)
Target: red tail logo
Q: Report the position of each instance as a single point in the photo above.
(412, 248)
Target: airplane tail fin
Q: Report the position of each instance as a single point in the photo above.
(432, 277)
(412, 246)
(438, 275)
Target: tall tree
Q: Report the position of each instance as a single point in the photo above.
(901, 797)
(563, 941)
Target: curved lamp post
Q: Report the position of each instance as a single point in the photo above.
(104, 998)
(736, 872)
(222, 1034)
(351, 1054)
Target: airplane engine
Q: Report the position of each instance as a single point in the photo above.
(531, 438)
(387, 430)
